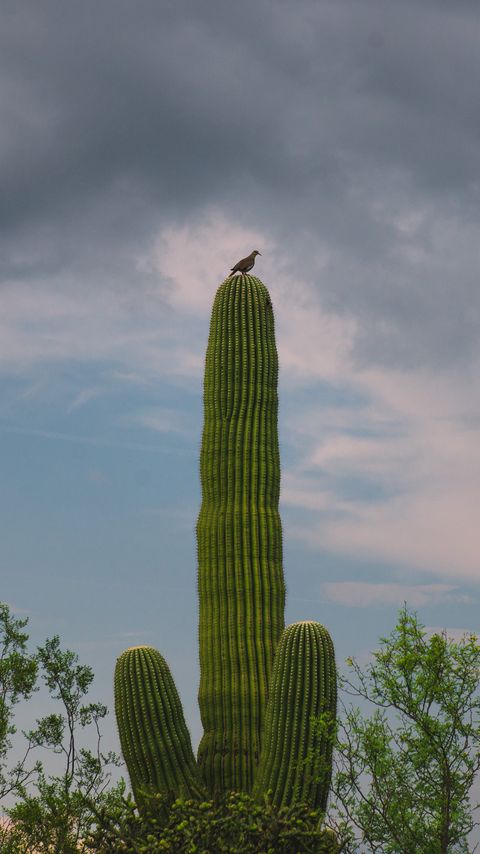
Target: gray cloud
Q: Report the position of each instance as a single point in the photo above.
(345, 126)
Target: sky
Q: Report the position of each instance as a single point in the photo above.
(144, 148)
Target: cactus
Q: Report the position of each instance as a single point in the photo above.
(295, 764)
(155, 741)
(239, 535)
(241, 596)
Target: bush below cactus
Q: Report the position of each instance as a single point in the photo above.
(236, 823)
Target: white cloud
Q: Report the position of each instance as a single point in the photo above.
(455, 634)
(195, 259)
(342, 453)
(98, 441)
(358, 594)
(84, 396)
(131, 377)
(45, 325)
(414, 443)
(427, 479)
(162, 420)
(297, 492)
(312, 343)
(432, 530)
(410, 442)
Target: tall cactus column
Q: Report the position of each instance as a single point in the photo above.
(240, 576)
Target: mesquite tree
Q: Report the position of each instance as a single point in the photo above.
(406, 776)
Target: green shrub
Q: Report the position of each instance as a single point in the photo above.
(235, 823)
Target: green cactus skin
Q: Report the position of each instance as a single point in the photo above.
(239, 538)
(155, 741)
(296, 760)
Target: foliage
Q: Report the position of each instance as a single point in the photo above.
(57, 813)
(403, 776)
(235, 823)
(402, 779)
(18, 676)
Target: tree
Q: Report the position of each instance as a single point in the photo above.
(18, 677)
(402, 781)
(53, 812)
(403, 776)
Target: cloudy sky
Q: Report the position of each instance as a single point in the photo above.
(145, 147)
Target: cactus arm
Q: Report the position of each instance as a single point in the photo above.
(296, 759)
(154, 738)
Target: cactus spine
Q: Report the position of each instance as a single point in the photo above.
(155, 741)
(239, 537)
(295, 763)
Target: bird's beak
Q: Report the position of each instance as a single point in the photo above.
(259, 253)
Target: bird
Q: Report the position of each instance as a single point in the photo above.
(245, 264)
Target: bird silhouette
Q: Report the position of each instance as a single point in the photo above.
(245, 264)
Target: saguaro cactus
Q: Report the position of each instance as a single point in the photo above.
(241, 597)
(239, 535)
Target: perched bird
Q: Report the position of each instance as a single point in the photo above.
(245, 264)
